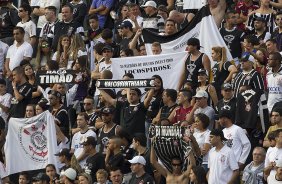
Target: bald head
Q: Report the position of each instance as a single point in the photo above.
(176, 16)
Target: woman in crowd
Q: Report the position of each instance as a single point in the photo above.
(50, 170)
(36, 89)
(77, 49)
(30, 111)
(84, 178)
(24, 178)
(61, 55)
(222, 70)
(198, 175)
(43, 55)
(41, 106)
(201, 134)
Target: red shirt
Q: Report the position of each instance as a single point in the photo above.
(180, 114)
(241, 7)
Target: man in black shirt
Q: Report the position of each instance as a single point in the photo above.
(22, 93)
(139, 175)
(79, 10)
(127, 34)
(95, 160)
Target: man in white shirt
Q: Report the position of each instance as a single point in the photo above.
(276, 178)
(18, 51)
(273, 155)
(3, 52)
(236, 137)
(222, 164)
(76, 147)
(26, 23)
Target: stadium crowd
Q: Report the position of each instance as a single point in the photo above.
(231, 110)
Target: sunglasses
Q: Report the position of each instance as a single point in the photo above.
(45, 45)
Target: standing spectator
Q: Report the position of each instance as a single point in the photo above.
(76, 147)
(260, 30)
(5, 100)
(236, 137)
(22, 92)
(138, 169)
(217, 8)
(18, 51)
(276, 178)
(223, 167)
(273, 78)
(47, 31)
(26, 23)
(232, 36)
(276, 35)
(276, 121)
(9, 19)
(195, 61)
(253, 172)
(67, 26)
(152, 21)
(127, 34)
(95, 160)
(88, 105)
(223, 70)
(79, 10)
(182, 19)
(102, 9)
(40, 12)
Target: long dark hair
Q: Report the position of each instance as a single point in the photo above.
(200, 174)
(160, 91)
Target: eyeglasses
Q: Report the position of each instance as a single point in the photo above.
(45, 45)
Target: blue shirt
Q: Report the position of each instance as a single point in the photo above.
(96, 4)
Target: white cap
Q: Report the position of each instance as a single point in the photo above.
(278, 163)
(70, 173)
(150, 3)
(201, 94)
(248, 57)
(138, 160)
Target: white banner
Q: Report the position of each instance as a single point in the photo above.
(193, 4)
(168, 66)
(30, 143)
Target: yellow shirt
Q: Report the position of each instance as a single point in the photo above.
(271, 129)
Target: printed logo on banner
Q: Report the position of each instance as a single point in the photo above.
(34, 142)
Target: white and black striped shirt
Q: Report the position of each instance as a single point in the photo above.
(269, 18)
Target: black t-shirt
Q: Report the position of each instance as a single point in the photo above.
(93, 164)
(132, 117)
(154, 107)
(36, 99)
(18, 107)
(79, 12)
(8, 20)
(145, 179)
(119, 161)
(61, 115)
(220, 76)
(229, 105)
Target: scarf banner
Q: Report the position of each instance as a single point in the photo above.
(168, 143)
(30, 143)
(202, 27)
(138, 83)
(168, 66)
(59, 76)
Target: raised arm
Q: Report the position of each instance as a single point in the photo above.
(108, 98)
(155, 163)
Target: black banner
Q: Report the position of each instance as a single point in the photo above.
(168, 131)
(136, 83)
(58, 76)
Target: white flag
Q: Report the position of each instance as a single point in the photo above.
(193, 4)
(30, 143)
(168, 66)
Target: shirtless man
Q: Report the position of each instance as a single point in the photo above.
(217, 8)
(176, 176)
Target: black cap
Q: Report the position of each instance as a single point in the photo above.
(41, 177)
(107, 47)
(225, 114)
(64, 152)
(2, 81)
(226, 86)
(137, 90)
(218, 132)
(108, 110)
(90, 140)
(55, 93)
(194, 42)
(202, 70)
(126, 24)
(260, 19)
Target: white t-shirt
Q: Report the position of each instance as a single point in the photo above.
(78, 148)
(29, 28)
(221, 164)
(203, 138)
(274, 85)
(43, 4)
(271, 179)
(6, 101)
(16, 54)
(3, 52)
(238, 142)
(272, 155)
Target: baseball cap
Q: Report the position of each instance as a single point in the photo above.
(202, 70)
(126, 23)
(108, 110)
(194, 42)
(55, 93)
(90, 140)
(218, 132)
(41, 177)
(138, 160)
(248, 57)
(226, 86)
(107, 47)
(225, 114)
(64, 152)
(149, 3)
(278, 163)
(201, 94)
(260, 19)
(70, 173)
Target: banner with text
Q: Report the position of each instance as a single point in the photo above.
(59, 76)
(136, 83)
(168, 66)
